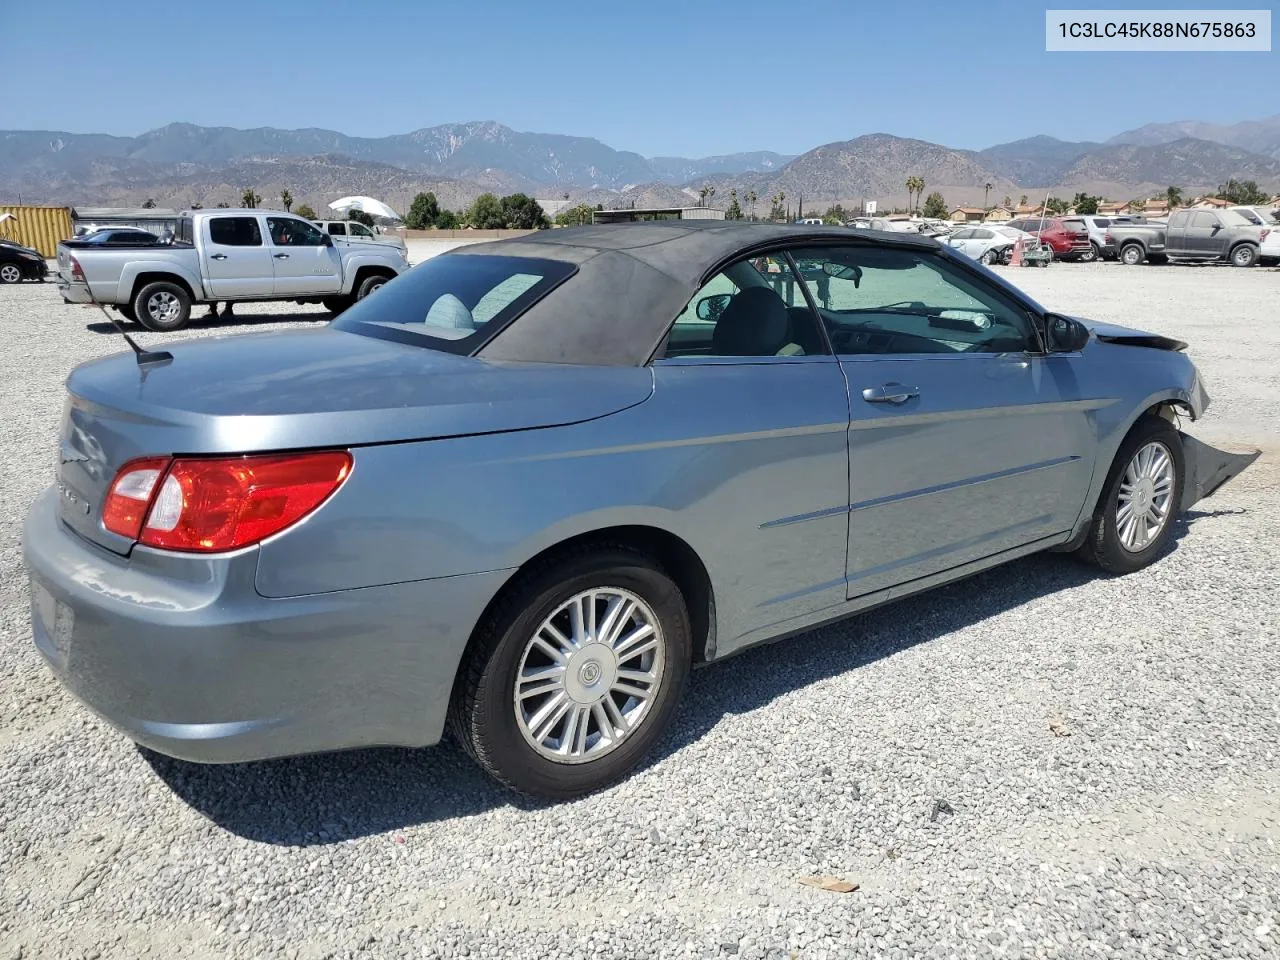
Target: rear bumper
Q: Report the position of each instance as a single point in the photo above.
(73, 291)
(182, 655)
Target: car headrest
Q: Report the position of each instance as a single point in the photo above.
(448, 311)
(754, 324)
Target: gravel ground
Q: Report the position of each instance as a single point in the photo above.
(1037, 762)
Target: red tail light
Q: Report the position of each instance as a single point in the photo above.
(1265, 231)
(1107, 238)
(76, 272)
(219, 504)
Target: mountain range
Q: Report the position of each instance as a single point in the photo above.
(182, 163)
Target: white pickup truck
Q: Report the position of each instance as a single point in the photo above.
(237, 256)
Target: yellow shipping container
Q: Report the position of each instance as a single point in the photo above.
(38, 227)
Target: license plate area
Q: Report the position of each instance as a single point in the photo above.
(55, 623)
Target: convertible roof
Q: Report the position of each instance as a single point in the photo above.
(633, 279)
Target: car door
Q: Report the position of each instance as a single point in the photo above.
(306, 262)
(965, 440)
(753, 391)
(983, 240)
(1177, 234)
(959, 240)
(1207, 236)
(237, 263)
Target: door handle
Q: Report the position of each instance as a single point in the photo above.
(889, 393)
(218, 256)
(282, 256)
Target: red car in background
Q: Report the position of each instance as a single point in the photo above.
(1067, 236)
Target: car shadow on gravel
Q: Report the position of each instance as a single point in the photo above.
(305, 801)
(237, 321)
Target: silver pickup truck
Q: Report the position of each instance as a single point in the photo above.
(1191, 235)
(237, 256)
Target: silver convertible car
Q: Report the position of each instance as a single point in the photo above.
(521, 490)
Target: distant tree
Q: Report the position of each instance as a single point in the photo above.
(935, 206)
(359, 216)
(448, 220)
(915, 190)
(705, 194)
(485, 213)
(423, 212)
(751, 199)
(305, 210)
(197, 206)
(576, 216)
(1241, 192)
(1173, 195)
(223, 205)
(776, 210)
(148, 204)
(1008, 202)
(1057, 205)
(1086, 204)
(286, 199)
(249, 199)
(522, 212)
(986, 194)
(1022, 200)
(733, 212)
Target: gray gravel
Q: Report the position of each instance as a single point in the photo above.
(1106, 751)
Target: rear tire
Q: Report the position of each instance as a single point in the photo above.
(1092, 254)
(1112, 543)
(499, 719)
(336, 305)
(1132, 254)
(990, 258)
(126, 310)
(162, 306)
(1245, 255)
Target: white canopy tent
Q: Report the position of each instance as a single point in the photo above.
(375, 208)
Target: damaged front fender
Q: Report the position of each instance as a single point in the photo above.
(1207, 468)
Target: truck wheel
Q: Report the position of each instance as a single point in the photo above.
(1245, 255)
(336, 305)
(1132, 254)
(162, 306)
(370, 284)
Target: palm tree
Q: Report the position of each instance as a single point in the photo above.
(1174, 196)
(915, 190)
(249, 199)
(751, 202)
(286, 198)
(1022, 200)
(985, 194)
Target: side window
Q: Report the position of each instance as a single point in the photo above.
(235, 232)
(1179, 220)
(288, 232)
(1101, 222)
(983, 235)
(338, 229)
(966, 234)
(360, 230)
(1204, 221)
(753, 308)
(880, 301)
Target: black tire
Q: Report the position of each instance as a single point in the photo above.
(1103, 546)
(10, 273)
(482, 716)
(336, 305)
(1090, 255)
(126, 310)
(371, 284)
(1132, 254)
(175, 313)
(990, 257)
(1244, 255)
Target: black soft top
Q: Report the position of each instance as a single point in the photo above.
(633, 279)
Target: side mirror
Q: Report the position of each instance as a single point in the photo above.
(1063, 334)
(710, 308)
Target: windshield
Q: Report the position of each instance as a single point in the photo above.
(454, 302)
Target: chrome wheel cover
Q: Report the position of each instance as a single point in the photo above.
(10, 273)
(1145, 500)
(162, 307)
(589, 675)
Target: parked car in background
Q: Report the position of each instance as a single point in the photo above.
(1269, 217)
(1097, 227)
(1203, 235)
(508, 499)
(1068, 237)
(355, 230)
(230, 256)
(989, 243)
(119, 237)
(18, 263)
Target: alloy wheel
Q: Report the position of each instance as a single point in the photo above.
(589, 674)
(163, 307)
(1144, 503)
(10, 273)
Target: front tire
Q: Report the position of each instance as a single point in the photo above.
(574, 673)
(1134, 519)
(162, 306)
(371, 285)
(336, 305)
(10, 273)
(1132, 254)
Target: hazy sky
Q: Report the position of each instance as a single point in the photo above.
(689, 78)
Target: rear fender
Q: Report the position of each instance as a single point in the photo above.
(136, 268)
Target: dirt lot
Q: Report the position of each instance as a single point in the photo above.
(1105, 750)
